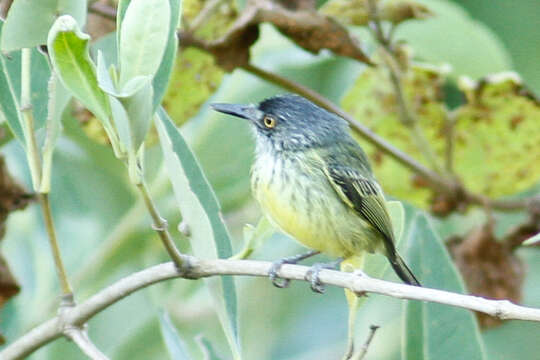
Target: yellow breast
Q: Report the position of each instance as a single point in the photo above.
(300, 206)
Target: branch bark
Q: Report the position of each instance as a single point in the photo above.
(194, 268)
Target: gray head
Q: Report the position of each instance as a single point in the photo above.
(290, 122)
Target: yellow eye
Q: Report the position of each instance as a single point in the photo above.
(269, 122)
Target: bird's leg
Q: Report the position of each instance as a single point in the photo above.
(276, 265)
(312, 274)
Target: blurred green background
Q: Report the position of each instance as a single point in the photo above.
(105, 233)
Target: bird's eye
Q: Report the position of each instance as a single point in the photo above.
(269, 122)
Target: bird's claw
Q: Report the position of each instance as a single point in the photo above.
(274, 277)
(312, 275)
(276, 266)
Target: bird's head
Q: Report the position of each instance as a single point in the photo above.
(290, 122)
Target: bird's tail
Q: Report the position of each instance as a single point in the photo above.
(403, 271)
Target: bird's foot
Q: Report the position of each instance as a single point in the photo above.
(312, 274)
(276, 265)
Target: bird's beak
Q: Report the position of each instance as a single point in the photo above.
(244, 111)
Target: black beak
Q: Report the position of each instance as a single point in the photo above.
(244, 111)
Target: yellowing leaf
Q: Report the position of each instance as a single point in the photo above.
(497, 132)
(194, 79)
(498, 136)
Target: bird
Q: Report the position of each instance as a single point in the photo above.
(314, 182)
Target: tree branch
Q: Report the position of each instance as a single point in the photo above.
(194, 268)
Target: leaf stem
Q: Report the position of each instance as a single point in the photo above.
(449, 131)
(160, 225)
(34, 161)
(67, 291)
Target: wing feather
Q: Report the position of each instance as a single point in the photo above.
(362, 194)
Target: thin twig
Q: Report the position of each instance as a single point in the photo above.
(194, 268)
(67, 291)
(407, 117)
(364, 349)
(80, 338)
(34, 161)
(449, 134)
(160, 225)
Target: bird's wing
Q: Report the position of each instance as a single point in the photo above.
(362, 194)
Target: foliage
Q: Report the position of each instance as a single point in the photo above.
(131, 82)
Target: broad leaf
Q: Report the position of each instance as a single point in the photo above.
(29, 21)
(143, 38)
(497, 133)
(121, 123)
(175, 346)
(452, 36)
(200, 210)
(435, 331)
(163, 74)
(68, 49)
(255, 236)
(9, 106)
(139, 110)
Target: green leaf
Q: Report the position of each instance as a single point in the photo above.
(452, 36)
(535, 240)
(163, 74)
(68, 49)
(121, 123)
(139, 109)
(173, 342)
(29, 21)
(200, 209)
(10, 89)
(59, 97)
(143, 38)
(435, 331)
(104, 79)
(397, 214)
(255, 236)
(9, 106)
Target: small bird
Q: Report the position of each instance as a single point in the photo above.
(314, 181)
